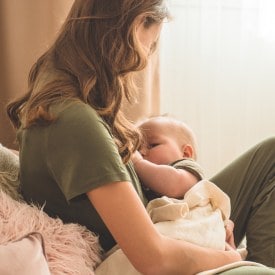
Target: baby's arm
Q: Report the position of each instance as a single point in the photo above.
(163, 179)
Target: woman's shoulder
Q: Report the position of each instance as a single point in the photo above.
(72, 108)
(75, 111)
(75, 115)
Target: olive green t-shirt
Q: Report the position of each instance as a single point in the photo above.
(62, 161)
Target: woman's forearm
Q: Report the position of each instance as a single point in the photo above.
(196, 258)
(148, 250)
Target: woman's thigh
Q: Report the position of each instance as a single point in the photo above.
(250, 183)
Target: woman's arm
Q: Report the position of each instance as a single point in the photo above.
(151, 253)
(163, 179)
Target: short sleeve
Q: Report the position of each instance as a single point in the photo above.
(81, 152)
(191, 166)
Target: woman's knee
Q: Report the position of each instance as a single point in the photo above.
(268, 146)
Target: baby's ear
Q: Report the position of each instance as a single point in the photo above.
(187, 151)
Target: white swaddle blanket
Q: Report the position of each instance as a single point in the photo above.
(198, 218)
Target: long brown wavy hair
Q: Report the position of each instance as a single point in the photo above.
(91, 60)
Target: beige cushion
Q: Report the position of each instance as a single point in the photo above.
(9, 173)
(25, 256)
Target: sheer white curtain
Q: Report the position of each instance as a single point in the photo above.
(218, 74)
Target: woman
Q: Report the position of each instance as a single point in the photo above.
(76, 145)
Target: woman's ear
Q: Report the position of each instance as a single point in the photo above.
(187, 151)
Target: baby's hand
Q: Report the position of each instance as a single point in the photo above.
(229, 226)
(136, 157)
(15, 152)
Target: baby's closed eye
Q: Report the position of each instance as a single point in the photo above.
(152, 145)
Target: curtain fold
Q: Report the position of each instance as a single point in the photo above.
(27, 28)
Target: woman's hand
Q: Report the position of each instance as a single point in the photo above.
(229, 226)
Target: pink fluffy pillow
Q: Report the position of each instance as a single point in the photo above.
(70, 248)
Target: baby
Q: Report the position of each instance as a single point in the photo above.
(166, 165)
(168, 141)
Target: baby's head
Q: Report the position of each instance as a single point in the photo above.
(166, 140)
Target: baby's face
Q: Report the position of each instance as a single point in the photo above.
(160, 147)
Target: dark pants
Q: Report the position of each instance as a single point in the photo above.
(250, 183)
